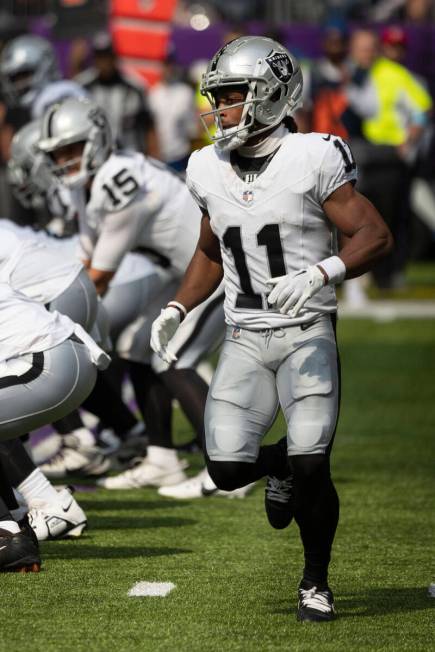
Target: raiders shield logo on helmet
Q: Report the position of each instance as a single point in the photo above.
(281, 66)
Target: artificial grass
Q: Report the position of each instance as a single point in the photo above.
(235, 577)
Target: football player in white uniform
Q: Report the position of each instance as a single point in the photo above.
(273, 201)
(129, 202)
(35, 187)
(46, 371)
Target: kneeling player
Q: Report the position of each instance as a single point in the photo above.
(47, 368)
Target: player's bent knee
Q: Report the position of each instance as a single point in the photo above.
(228, 475)
(311, 433)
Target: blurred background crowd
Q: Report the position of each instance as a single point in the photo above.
(369, 77)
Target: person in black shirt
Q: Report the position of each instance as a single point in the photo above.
(123, 99)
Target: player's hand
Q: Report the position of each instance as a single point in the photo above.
(292, 291)
(162, 331)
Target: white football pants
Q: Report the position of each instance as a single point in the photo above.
(258, 371)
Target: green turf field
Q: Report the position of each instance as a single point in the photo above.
(235, 577)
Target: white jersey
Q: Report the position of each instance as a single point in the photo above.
(132, 268)
(274, 224)
(40, 270)
(137, 203)
(26, 326)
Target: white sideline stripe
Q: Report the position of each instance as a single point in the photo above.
(151, 589)
(389, 310)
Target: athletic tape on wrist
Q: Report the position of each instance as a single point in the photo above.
(334, 268)
(178, 306)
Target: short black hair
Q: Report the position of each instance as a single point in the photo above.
(290, 123)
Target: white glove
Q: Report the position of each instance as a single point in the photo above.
(292, 291)
(163, 330)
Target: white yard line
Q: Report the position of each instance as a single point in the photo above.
(151, 589)
(389, 310)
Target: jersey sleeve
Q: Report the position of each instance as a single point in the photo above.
(117, 187)
(337, 168)
(119, 233)
(192, 182)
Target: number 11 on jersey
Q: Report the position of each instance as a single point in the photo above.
(269, 237)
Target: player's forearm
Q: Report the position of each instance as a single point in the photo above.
(201, 279)
(365, 247)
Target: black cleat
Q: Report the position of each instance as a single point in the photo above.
(18, 553)
(316, 604)
(27, 529)
(278, 501)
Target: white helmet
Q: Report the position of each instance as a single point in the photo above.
(27, 64)
(76, 120)
(273, 81)
(27, 173)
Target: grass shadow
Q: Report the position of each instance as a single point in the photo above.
(373, 602)
(127, 504)
(76, 550)
(137, 523)
(377, 602)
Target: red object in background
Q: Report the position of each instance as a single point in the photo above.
(140, 42)
(147, 74)
(329, 106)
(140, 33)
(161, 10)
(394, 35)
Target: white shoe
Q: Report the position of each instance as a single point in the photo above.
(201, 486)
(59, 519)
(80, 461)
(146, 474)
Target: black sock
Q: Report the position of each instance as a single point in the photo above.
(7, 498)
(187, 386)
(15, 461)
(316, 513)
(72, 421)
(5, 514)
(155, 403)
(106, 403)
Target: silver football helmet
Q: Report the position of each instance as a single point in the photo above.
(27, 63)
(27, 173)
(273, 81)
(76, 120)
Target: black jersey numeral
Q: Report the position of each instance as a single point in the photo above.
(123, 183)
(349, 161)
(269, 237)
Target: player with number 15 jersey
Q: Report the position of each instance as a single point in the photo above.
(125, 200)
